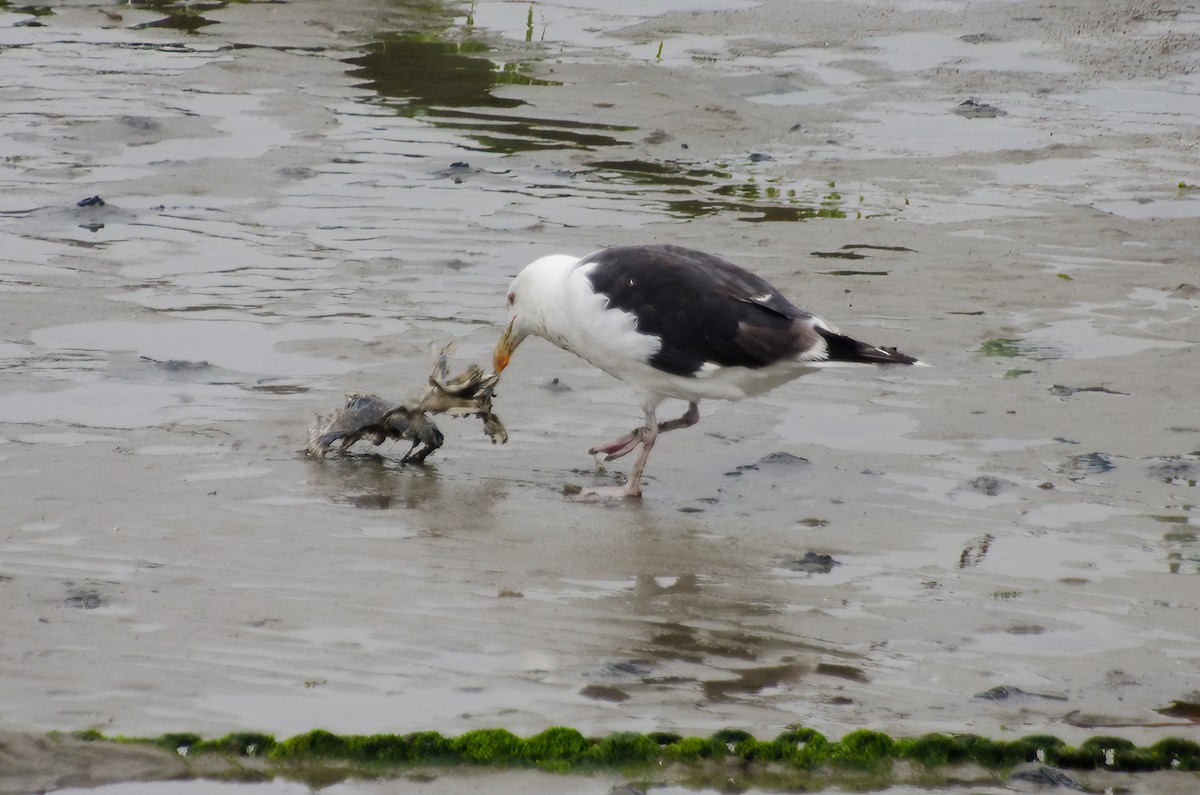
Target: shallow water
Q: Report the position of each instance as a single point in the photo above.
(290, 213)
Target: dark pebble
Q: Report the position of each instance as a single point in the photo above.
(986, 484)
(812, 563)
(978, 110)
(1043, 775)
(84, 600)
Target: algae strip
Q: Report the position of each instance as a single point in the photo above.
(566, 750)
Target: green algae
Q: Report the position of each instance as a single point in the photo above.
(428, 72)
(865, 755)
(43, 11)
(864, 749)
(712, 190)
(1002, 346)
(490, 746)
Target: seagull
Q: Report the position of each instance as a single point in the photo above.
(672, 322)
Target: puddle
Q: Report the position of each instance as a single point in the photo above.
(843, 426)
(240, 346)
(453, 86)
(591, 24)
(1080, 339)
(920, 52)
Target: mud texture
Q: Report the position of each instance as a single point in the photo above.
(216, 222)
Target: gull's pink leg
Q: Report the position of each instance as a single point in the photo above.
(633, 484)
(620, 447)
(689, 418)
(626, 444)
(645, 436)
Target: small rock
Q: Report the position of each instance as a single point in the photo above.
(813, 563)
(1174, 469)
(986, 484)
(604, 693)
(1077, 467)
(1058, 390)
(629, 668)
(84, 599)
(1004, 692)
(782, 459)
(1043, 775)
(178, 365)
(972, 109)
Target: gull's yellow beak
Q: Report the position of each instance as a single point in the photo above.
(505, 347)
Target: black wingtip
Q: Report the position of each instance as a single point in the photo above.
(847, 349)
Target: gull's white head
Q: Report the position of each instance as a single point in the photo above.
(532, 297)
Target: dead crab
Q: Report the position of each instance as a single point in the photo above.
(377, 420)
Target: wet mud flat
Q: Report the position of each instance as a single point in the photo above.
(295, 203)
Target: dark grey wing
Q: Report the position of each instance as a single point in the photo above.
(702, 308)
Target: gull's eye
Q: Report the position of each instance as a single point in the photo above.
(511, 297)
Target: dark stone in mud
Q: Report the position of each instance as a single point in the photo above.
(782, 459)
(84, 599)
(1058, 390)
(140, 123)
(630, 668)
(986, 484)
(298, 172)
(1080, 466)
(1025, 629)
(778, 459)
(91, 201)
(1174, 468)
(604, 693)
(812, 563)
(973, 109)
(1043, 775)
(179, 365)
(850, 672)
(1004, 692)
